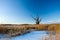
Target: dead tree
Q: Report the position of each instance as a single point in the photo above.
(37, 20)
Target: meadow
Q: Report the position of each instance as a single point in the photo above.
(18, 29)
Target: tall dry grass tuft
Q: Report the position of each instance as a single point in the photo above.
(52, 35)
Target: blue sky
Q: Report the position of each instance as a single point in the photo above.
(20, 11)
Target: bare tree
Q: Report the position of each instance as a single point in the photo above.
(37, 19)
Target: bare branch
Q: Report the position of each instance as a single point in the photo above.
(37, 19)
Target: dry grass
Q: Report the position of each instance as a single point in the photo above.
(54, 27)
(15, 28)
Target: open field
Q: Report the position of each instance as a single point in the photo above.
(16, 29)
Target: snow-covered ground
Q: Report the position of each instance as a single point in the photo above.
(34, 35)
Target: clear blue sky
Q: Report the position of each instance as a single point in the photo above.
(20, 11)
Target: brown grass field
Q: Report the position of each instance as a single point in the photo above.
(16, 29)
